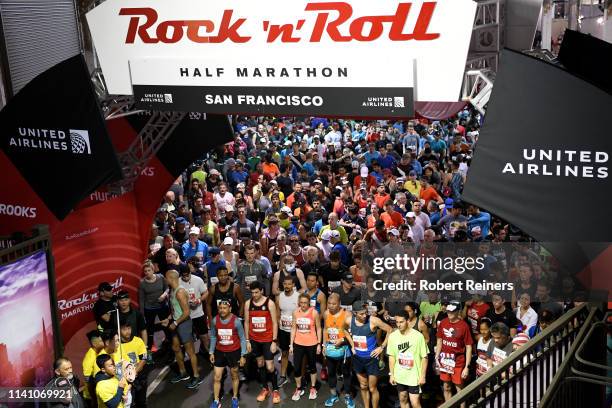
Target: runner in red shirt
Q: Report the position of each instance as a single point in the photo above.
(261, 324)
(453, 350)
(473, 311)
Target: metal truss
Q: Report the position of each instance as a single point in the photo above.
(150, 139)
(488, 14)
(477, 87)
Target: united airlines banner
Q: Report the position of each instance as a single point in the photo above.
(55, 148)
(542, 161)
(358, 57)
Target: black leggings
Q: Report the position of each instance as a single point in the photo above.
(332, 368)
(311, 358)
(150, 315)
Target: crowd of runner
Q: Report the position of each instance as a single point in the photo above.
(261, 256)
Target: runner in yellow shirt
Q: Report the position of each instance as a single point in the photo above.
(90, 369)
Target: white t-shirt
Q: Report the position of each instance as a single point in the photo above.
(195, 289)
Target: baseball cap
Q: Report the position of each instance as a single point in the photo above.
(286, 210)
(317, 181)
(363, 172)
(448, 203)
(347, 278)
(355, 164)
(228, 241)
(214, 171)
(358, 306)
(214, 250)
(334, 234)
(104, 286)
(520, 339)
(326, 235)
(181, 220)
(395, 232)
(229, 207)
(194, 230)
(453, 306)
(123, 294)
(411, 214)
(476, 230)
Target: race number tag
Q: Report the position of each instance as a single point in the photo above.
(447, 363)
(286, 322)
(406, 360)
(225, 337)
(348, 308)
(250, 279)
(361, 343)
(303, 324)
(192, 295)
(258, 324)
(481, 366)
(333, 334)
(333, 285)
(313, 302)
(214, 280)
(498, 356)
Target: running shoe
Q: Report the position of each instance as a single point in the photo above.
(313, 393)
(179, 377)
(324, 374)
(297, 394)
(275, 397)
(282, 380)
(215, 404)
(263, 394)
(234, 402)
(349, 401)
(331, 401)
(195, 382)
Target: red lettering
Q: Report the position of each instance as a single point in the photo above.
(193, 27)
(172, 31)
(151, 18)
(376, 29)
(227, 30)
(345, 10)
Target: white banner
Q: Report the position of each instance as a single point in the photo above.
(379, 38)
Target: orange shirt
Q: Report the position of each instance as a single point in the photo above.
(271, 168)
(429, 194)
(381, 199)
(394, 220)
(306, 331)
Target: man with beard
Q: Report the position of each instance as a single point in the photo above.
(64, 379)
(249, 271)
(228, 349)
(159, 260)
(198, 293)
(286, 303)
(332, 273)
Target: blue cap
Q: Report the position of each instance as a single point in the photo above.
(448, 203)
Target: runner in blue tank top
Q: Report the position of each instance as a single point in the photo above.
(366, 351)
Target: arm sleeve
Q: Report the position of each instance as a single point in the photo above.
(213, 335)
(240, 329)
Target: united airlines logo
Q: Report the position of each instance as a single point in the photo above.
(79, 140)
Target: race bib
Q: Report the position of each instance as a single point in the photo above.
(481, 366)
(303, 324)
(348, 308)
(214, 280)
(286, 322)
(250, 279)
(372, 310)
(333, 334)
(406, 360)
(498, 356)
(361, 343)
(313, 302)
(225, 337)
(447, 363)
(333, 285)
(258, 324)
(199, 254)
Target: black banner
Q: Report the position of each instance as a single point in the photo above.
(587, 57)
(53, 132)
(542, 159)
(360, 102)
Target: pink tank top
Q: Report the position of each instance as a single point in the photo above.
(306, 331)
